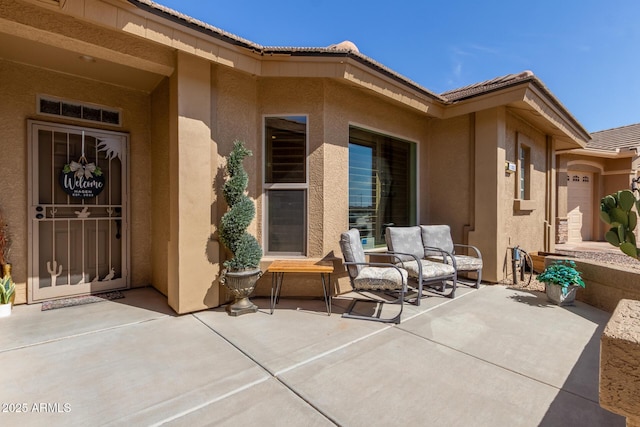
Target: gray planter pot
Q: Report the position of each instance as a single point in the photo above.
(555, 294)
(241, 284)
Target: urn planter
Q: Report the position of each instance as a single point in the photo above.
(241, 284)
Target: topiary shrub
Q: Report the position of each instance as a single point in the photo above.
(234, 223)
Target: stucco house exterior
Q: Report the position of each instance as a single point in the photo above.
(608, 163)
(116, 116)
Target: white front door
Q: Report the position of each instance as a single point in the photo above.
(579, 206)
(78, 230)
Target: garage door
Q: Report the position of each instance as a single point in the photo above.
(580, 206)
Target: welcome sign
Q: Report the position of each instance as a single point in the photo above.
(81, 180)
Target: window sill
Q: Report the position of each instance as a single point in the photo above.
(524, 205)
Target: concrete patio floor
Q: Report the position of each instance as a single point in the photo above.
(491, 357)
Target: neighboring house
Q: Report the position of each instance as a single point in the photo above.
(155, 99)
(607, 164)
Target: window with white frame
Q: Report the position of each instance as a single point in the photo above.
(285, 184)
(382, 184)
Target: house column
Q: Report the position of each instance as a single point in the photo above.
(491, 198)
(562, 223)
(193, 260)
(550, 193)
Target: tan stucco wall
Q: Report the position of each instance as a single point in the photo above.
(345, 106)
(619, 372)
(449, 177)
(525, 228)
(218, 92)
(331, 108)
(160, 186)
(19, 89)
(192, 258)
(234, 116)
(489, 158)
(606, 284)
(300, 97)
(499, 224)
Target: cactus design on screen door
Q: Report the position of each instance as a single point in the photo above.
(79, 211)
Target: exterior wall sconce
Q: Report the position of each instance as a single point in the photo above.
(634, 183)
(509, 167)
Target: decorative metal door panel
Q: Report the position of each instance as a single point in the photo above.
(78, 215)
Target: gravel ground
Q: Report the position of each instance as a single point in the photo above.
(619, 259)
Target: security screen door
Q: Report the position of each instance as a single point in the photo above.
(78, 211)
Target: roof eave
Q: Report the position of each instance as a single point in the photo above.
(530, 99)
(603, 154)
(194, 24)
(216, 33)
(359, 58)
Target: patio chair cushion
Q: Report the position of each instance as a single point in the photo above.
(407, 240)
(430, 269)
(380, 279)
(468, 263)
(437, 236)
(352, 250)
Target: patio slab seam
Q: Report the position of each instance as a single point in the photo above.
(82, 334)
(362, 338)
(276, 374)
(210, 402)
(445, 302)
(247, 386)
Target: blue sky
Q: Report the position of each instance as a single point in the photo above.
(587, 52)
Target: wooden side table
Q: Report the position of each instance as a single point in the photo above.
(281, 266)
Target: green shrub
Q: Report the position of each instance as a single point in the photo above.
(562, 273)
(234, 223)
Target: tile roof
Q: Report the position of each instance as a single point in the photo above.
(345, 48)
(350, 50)
(617, 139)
(487, 86)
(165, 12)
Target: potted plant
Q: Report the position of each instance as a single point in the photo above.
(5, 266)
(7, 289)
(561, 281)
(242, 270)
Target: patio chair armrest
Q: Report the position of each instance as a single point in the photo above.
(477, 251)
(447, 257)
(393, 254)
